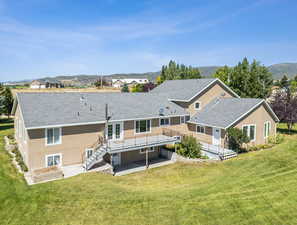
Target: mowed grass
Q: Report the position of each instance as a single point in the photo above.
(255, 188)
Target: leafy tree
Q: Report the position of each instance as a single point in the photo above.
(236, 138)
(174, 71)
(148, 87)
(247, 80)
(137, 88)
(284, 82)
(284, 104)
(125, 88)
(224, 74)
(190, 147)
(7, 101)
(101, 82)
(295, 78)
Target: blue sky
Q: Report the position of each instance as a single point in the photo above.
(53, 37)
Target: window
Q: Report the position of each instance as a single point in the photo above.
(267, 128)
(109, 131)
(187, 118)
(150, 149)
(89, 152)
(197, 105)
(250, 131)
(53, 136)
(143, 126)
(182, 119)
(200, 129)
(164, 122)
(118, 130)
(53, 160)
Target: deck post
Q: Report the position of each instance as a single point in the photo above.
(146, 158)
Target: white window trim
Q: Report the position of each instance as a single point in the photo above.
(114, 131)
(164, 125)
(249, 127)
(267, 122)
(60, 141)
(89, 149)
(199, 105)
(143, 150)
(147, 132)
(46, 159)
(200, 132)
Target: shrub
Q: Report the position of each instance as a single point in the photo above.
(236, 138)
(277, 139)
(189, 147)
(125, 88)
(19, 159)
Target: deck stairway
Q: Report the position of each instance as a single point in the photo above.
(219, 152)
(100, 149)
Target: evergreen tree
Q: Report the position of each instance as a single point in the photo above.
(7, 101)
(284, 82)
(174, 71)
(125, 88)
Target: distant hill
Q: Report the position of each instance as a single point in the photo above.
(277, 70)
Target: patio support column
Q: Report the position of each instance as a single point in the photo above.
(146, 158)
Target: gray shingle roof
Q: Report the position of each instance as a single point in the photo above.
(222, 112)
(183, 89)
(49, 109)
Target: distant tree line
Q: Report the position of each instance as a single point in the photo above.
(6, 100)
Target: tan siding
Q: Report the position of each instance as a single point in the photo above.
(216, 90)
(74, 142)
(258, 117)
(206, 137)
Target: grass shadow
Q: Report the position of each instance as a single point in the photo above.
(6, 124)
(286, 131)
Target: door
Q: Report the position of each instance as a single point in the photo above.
(216, 136)
(115, 131)
(116, 159)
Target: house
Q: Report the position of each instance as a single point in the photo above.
(129, 81)
(124, 128)
(40, 84)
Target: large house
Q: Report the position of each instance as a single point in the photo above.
(65, 129)
(129, 81)
(40, 84)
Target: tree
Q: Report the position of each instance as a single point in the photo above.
(224, 74)
(284, 104)
(236, 138)
(190, 147)
(174, 71)
(101, 82)
(284, 82)
(7, 101)
(247, 80)
(125, 88)
(137, 88)
(148, 87)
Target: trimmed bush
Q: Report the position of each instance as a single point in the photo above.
(189, 147)
(236, 138)
(279, 138)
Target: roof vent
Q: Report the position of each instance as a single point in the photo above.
(223, 94)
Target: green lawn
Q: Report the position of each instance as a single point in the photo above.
(255, 188)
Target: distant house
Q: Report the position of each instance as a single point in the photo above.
(38, 84)
(129, 81)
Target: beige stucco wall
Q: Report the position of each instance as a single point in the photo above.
(259, 116)
(214, 91)
(75, 140)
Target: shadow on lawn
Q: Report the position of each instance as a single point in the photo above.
(8, 124)
(286, 131)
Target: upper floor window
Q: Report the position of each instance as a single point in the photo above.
(267, 128)
(53, 136)
(200, 129)
(164, 121)
(142, 126)
(197, 105)
(250, 131)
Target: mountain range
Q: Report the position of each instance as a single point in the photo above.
(277, 70)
